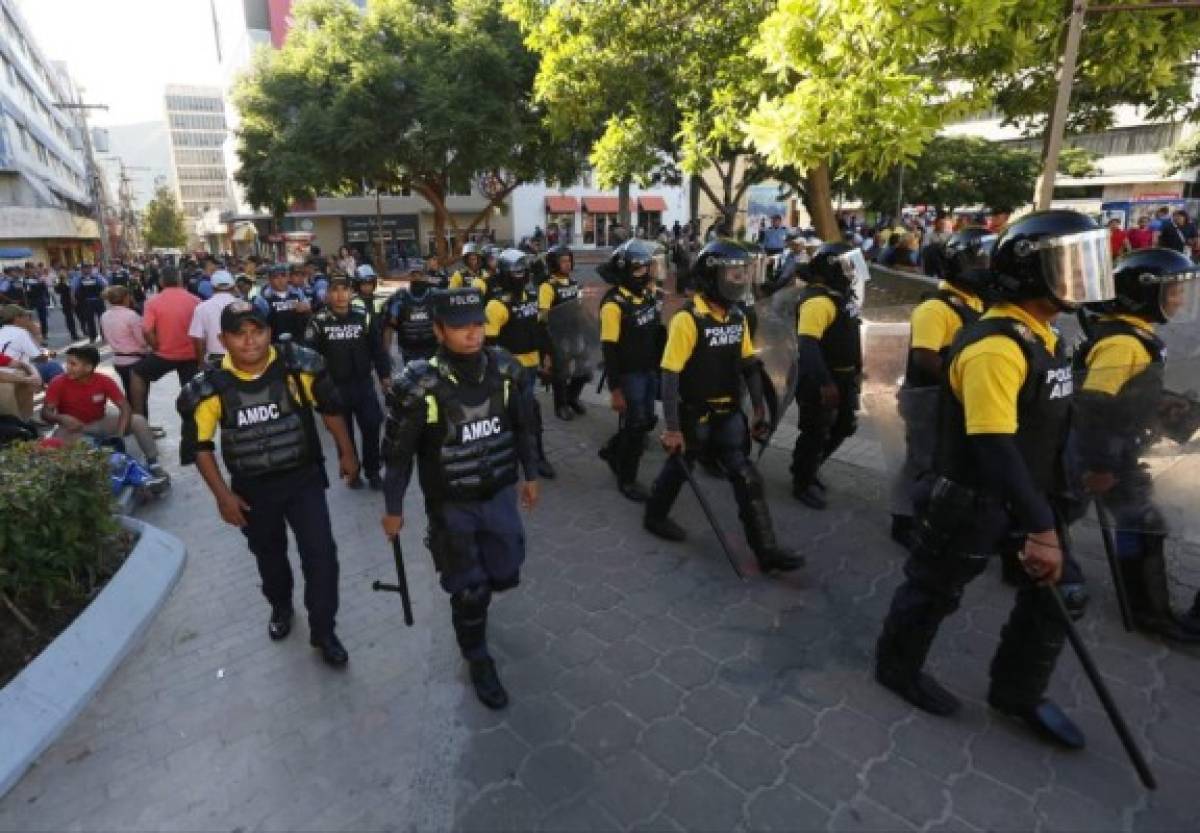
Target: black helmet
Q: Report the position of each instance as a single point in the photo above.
(552, 257)
(1060, 255)
(966, 257)
(835, 265)
(1156, 284)
(724, 270)
(513, 268)
(628, 258)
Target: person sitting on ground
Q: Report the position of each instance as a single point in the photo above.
(20, 338)
(121, 327)
(19, 382)
(75, 402)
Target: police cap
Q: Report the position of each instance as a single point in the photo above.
(459, 307)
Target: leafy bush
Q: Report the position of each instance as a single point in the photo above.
(58, 535)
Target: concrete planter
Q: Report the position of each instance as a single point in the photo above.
(42, 700)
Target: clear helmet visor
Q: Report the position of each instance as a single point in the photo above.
(854, 267)
(734, 279)
(1077, 267)
(1179, 297)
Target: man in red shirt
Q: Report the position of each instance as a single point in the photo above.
(167, 319)
(76, 400)
(1142, 236)
(1118, 238)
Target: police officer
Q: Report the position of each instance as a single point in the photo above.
(262, 399)
(471, 273)
(1118, 405)
(352, 348)
(630, 328)
(708, 355)
(364, 282)
(512, 323)
(409, 317)
(1004, 420)
(37, 298)
(935, 323)
(830, 363)
(560, 288)
(89, 300)
(284, 306)
(467, 417)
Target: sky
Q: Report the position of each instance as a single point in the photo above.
(124, 52)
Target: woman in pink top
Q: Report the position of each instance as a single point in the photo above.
(122, 329)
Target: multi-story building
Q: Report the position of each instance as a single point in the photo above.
(195, 119)
(49, 188)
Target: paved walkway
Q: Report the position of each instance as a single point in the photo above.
(651, 689)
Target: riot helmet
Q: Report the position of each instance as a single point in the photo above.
(472, 250)
(724, 271)
(513, 266)
(1159, 285)
(635, 264)
(491, 257)
(554, 256)
(839, 266)
(966, 258)
(1059, 255)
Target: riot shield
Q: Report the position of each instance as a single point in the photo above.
(774, 335)
(574, 340)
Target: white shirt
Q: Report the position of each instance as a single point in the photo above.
(18, 343)
(206, 321)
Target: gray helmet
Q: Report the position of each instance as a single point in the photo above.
(470, 249)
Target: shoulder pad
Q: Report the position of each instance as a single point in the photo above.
(199, 387)
(302, 359)
(413, 383)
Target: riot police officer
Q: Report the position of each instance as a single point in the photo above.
(409, 317)
(935, 322)
(364, 282)
(89, 300)
(830, 363)
(284, 306)
(467, 418)
(1004, 420)
(630, 328)
(1120, 405)
(707, 357)
(37, 298)
(512, 323)
(352, 348)
(561, 288)
(261, 400)
(471, 273)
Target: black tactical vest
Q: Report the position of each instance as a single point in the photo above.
(914, 376)
(89, 288)
(478, 454)
(413, 319)
(1135, 407)
(264, 430)
(714, 369)
(36, 293)
(282, 315)
(1043, 408)
(520, 333)
(841, 346)
(639, 347)
(563, 291)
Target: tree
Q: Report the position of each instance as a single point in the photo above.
(163, 225)
(430, 95)
(1185, 154)
(871, 82)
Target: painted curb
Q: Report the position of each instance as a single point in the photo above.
(42, 700)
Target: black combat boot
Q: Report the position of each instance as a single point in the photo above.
(331, 648)
(545, 469)
(486, 681)
(1152, 607)
(574, 389)
(281, 622)
(899, 657)
(628, 451)
(760, 534)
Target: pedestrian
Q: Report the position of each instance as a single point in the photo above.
(474, 465)
(512, 323)
(934, 325)
(285, 308)
(1005, 413)
(166, 323)
(708, 357)
(346, 261)
(1141, 236)
(75, 402)
(409, 319)
(1179, 234)
(562, 288)
(88, 288)
(1118, 238)
(630, 328)
(352, 347)
(1162, 217)
(205, 328)
(830, 366)
(122, 329)
(261, 401)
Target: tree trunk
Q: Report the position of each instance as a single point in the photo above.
(379, 253)
(818, 199)
(624, 214)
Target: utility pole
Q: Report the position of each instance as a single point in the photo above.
(130, 233)
(97, 186)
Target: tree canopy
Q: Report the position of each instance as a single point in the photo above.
(163, 224)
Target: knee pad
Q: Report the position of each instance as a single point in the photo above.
(472, 601)
(745, 476)
(1075, 597)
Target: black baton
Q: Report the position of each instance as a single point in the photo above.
(1110, 551)
(708, 513)
(401, 585)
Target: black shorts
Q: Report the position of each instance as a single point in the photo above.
(154, 367)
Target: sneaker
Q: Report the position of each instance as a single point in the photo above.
(486, 681)
(280, 624)
(1046, 719)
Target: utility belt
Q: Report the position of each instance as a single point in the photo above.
(707, 411)
(951, 509)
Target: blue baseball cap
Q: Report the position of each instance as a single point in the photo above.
(459, 307)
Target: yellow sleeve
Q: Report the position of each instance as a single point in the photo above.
(747, 343)
(934, 325)
(306, 379)
(480, 284)
(987, 377)
(456, 281)
(815, 316)
(545, 296)
(497, 316)
(208, 416)
(681, 341)
(610, 322)
(1113, 362)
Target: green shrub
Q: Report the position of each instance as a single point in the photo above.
(58, 535)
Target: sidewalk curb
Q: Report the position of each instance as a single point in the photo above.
(43, 699)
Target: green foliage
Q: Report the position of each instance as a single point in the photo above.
(1184, 155)
(1081, 162)
(163, 225)
(58, 538)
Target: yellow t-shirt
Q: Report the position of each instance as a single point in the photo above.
(546, 294)
(610, 317)
(496, 316)
(814, 316)
(987, 376)
(458, 281)
(1117, 359)
(208, 412)
(681, 336)
(934, 324)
